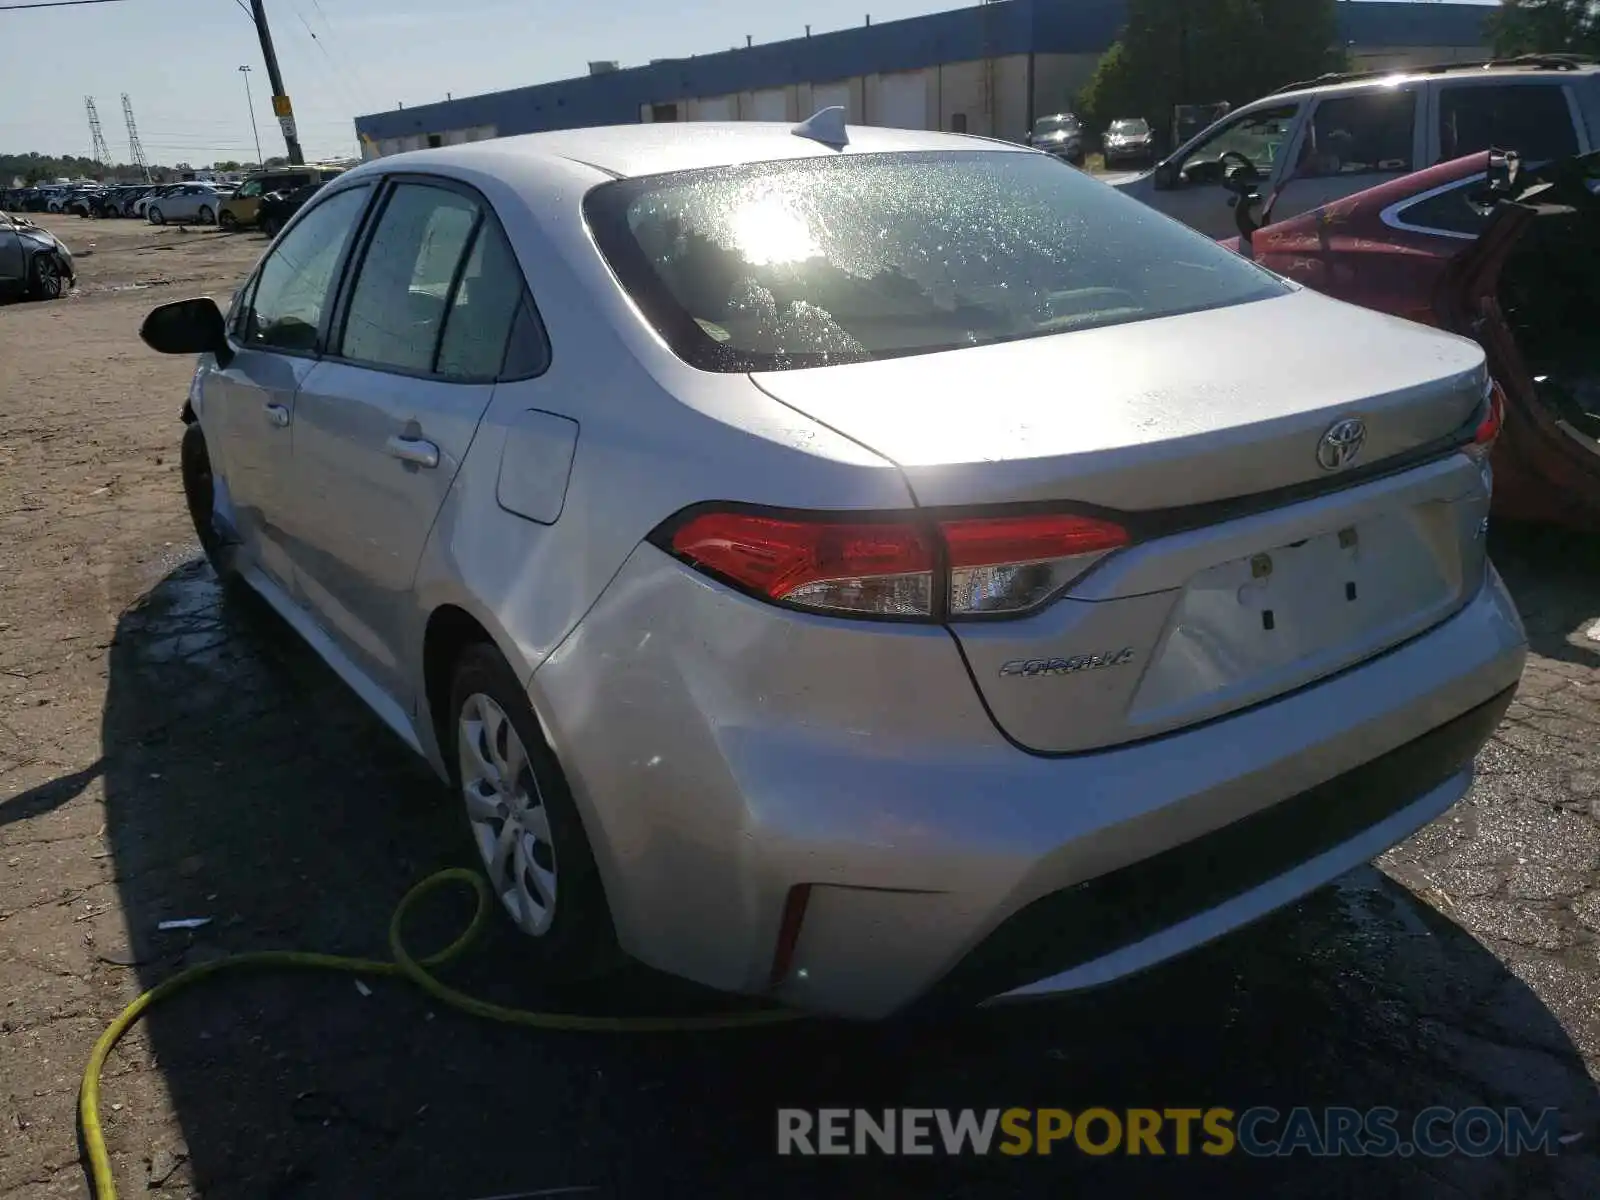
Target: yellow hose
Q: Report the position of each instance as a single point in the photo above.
(404, 966)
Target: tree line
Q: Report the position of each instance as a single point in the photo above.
(42, 168)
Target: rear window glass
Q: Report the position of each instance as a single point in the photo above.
(1531, 118)
(815, 261)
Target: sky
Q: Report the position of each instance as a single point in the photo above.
(178, 61)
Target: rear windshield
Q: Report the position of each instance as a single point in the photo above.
(815, 261)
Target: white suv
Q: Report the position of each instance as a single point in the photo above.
(1317, 142)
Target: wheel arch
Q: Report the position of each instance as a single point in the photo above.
(454, 623)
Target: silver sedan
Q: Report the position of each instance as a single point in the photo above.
(858, 567)
(189, 204)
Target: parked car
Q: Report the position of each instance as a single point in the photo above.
(241, 209)
(1508, 256)
(141, 206)
(1318, 142)
(700, 503)
(1129, 139)
(1060, 135)
(34, 263)
(188, 203)
(277, 207)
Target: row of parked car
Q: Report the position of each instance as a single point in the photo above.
(1127, 140)
(265, 200)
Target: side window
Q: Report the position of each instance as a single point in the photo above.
(483, 313)
(1260, 136)
(397, 306)
(292, 286)
(253, 188)
(1531, 118)
(1450, 211)
(1360, 135)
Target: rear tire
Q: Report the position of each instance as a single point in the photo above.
(522, 822)
(199, 490)
(207, 217)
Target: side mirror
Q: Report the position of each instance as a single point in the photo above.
(188, 327)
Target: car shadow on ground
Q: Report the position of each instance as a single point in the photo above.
(245, 785)
(1555, 576)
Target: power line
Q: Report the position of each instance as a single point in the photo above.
(54, 4)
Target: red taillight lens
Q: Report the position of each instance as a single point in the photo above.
(1011, 564)
(1494, 417)
(996, 565)
(880, 568)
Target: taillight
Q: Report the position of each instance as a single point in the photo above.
(1494, 417)
(1012, 564)
(907, 568)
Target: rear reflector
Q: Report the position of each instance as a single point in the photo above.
(1000, 565)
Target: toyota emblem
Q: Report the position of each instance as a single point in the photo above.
(1341, 445)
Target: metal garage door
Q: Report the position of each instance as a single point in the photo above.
(902, 100)
(717, 108)
(770, 105)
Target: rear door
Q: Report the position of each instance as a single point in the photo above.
(384, 421)
(1353, 141)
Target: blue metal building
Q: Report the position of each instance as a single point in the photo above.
(999, 62)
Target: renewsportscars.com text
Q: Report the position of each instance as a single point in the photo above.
(1216, 1131)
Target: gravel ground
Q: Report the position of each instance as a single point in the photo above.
(166, 754)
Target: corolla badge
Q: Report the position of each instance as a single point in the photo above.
(1341, 445)
(1044, 668)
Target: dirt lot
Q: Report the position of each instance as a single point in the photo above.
(166, 755)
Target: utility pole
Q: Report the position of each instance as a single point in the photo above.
(281, 108)
(251, 102)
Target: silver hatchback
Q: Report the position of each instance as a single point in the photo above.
(858, 567)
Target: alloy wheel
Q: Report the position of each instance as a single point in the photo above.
(507, 814)
(47, 277)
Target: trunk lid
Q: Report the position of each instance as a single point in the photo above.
(1162, 414)
(1217, 605)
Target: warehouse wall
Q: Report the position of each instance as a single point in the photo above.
(1395, 58)
(1066, 36)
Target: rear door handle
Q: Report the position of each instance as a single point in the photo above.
(414, 450)
(277, 414)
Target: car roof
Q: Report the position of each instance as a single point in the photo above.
(1554, 67)
(650, 149)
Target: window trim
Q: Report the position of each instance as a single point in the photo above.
(248, 292)
(1391, 216)
(340, 309)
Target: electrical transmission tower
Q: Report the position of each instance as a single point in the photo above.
(101, 152)
(135, 150)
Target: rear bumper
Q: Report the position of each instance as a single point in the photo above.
(723, 752)
(1148, 911)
